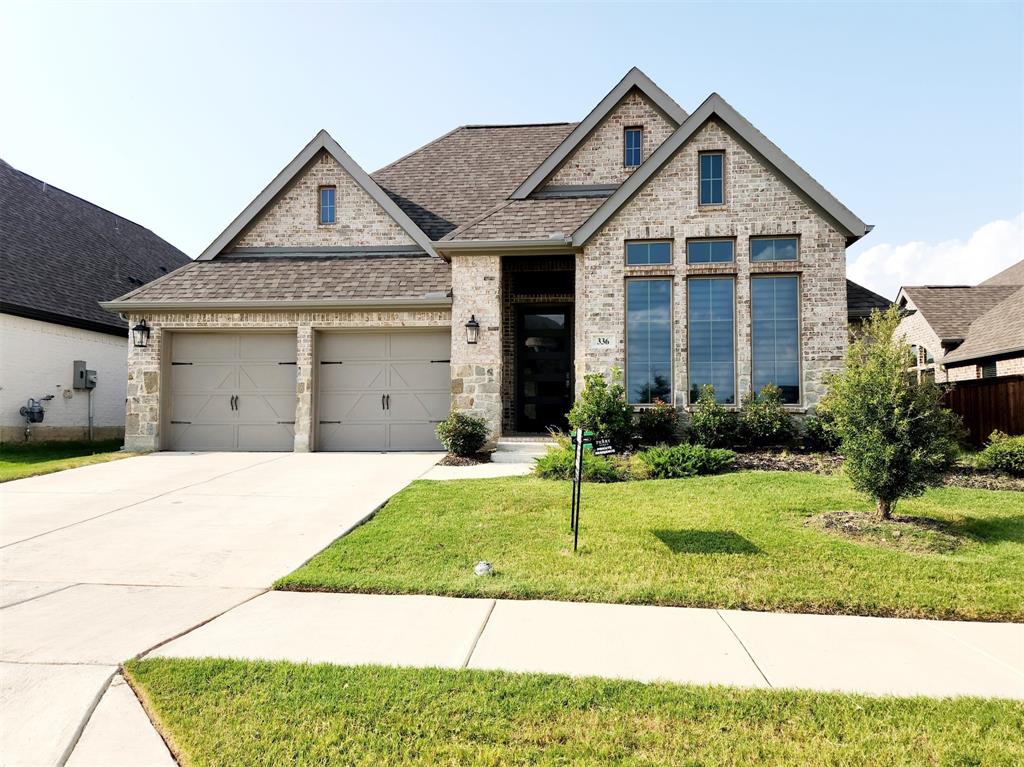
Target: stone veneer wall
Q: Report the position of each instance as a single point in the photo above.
(294, 218)
(757, 202)
(600, 158)
(477, 368)
(146, 365)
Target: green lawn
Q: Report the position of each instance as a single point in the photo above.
(219, 713)
(19, 461)
(732, 541)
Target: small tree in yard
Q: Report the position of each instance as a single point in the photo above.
(897, 439)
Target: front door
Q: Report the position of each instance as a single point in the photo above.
(543, 367)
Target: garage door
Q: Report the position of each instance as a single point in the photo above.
(382, 391)
(232, 391)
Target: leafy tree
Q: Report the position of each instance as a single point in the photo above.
(897, 439)
(602, 409)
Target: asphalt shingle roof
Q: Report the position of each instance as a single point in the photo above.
(860, 301)
(1013, 275)
(300, 279)
(997, 331)
(61, 255)
(463, 174)
(951, 310)
(533, 219)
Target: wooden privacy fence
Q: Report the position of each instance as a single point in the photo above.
(987, 404)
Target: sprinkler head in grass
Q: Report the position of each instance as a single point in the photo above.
(483, 568)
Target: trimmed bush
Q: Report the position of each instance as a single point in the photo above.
(602, 409)
(657, 424)
(683, 461)
(557, 463)
(711, 425)
(764, 420)
(1003, 453)
(819, 432)
(462, 434)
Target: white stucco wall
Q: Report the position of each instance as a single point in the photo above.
(36, 359)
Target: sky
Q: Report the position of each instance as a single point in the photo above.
(177, 115)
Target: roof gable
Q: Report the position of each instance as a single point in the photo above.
(950, 310)
(321, 142)
(716, 107)
(634, 79)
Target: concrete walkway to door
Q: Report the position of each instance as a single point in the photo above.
(102, 563)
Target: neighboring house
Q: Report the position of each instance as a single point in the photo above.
(490, 271)
(59, 257)
(959, 333)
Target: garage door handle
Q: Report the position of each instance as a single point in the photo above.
(382, 402)
(389, 402)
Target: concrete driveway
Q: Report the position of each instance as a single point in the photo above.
(105, 562)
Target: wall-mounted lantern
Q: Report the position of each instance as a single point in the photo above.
(140, 334)
(472, 330)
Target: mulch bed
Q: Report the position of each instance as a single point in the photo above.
(464, 460)
(914, 534)
(965, 476)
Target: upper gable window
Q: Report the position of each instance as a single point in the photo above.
(327, 208)
(773, 249)
(643, 253)
(634, 146)
(711, 179)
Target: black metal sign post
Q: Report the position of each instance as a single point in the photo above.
(577, 486)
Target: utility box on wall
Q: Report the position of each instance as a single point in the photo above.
(82, 378)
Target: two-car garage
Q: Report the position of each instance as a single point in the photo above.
(374, 390)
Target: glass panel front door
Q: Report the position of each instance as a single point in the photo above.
(543, 367)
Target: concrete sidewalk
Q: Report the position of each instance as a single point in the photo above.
(880, 656)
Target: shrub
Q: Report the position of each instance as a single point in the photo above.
(557, 463)
(602, 409)
(819, 432)
(657, 424)
(711, 425)
(1003, 453)
(462, 434)
(763, 419)
(683, 461)
(897, 439)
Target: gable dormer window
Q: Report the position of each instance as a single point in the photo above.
(327, 209)
(633, 142)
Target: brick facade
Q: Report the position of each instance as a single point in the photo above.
(146, 365)
(294, 219)
(757, 202)
(600, 159)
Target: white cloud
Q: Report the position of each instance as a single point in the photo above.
(989, 250)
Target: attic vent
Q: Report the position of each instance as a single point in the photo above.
(135, 281)
(163, 269)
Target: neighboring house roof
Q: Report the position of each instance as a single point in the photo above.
(998, 331)
(458, 177)
(634, 79)
(1012, 275)
(534, 219)
(860, 301)
(950, 310)
(716, 107)
(322, 141)
(61, 255)
(252, 282)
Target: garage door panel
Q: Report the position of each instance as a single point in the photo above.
(263, 377)
(419, 375)
(353, 436)
(353, 346)
(358, 376)
(422, 406)
(420, 346)
(266, 437)
(413, 436)
(204, 347)
(202, 437)
(201, 408)
(206, 377)
(266, 347)
(351, 406)
(263, 408)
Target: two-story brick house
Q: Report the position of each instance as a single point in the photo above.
(490, 271)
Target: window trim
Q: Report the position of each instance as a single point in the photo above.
(731, 240)
(320, 205)
(799, 404)
(752, 239)
(652, 241)
(705, 153)
(671, 336)
(737, 399)
(625, 147)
